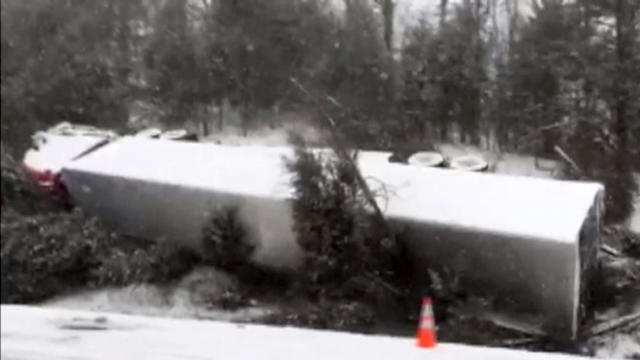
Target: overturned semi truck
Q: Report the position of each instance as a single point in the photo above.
(528, 243)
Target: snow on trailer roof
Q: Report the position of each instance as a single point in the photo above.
(54, 150)
(525, 206)
(191, 164)
(529, 207)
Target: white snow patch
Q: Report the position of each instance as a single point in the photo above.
(522, 206)
(38, 333)
(184, 300)
(621, 346)
(197, 165)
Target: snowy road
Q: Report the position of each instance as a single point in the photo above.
(43, 333)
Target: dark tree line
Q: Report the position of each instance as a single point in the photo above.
(564, 74)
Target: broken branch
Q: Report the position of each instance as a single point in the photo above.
(611, 325)
(342, 152)
(567, 158)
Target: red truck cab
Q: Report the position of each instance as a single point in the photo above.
(57, 146)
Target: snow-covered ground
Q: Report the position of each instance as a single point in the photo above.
(620, 346)
(39, 333)
(233, 135)
(182, 300)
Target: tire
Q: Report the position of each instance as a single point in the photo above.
(178, 134)
(469, 163)
(427, 159)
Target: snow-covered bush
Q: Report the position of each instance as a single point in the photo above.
(18, 191)
(226, 247)
(129, 261)
(601, 159)
(344, 252)
(47, 254)
(224, 240)
(329, 218)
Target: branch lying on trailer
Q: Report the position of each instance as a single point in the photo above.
(342, 152)
(567, 158)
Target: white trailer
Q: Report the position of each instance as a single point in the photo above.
(526, 242)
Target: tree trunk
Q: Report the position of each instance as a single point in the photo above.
(244, 120)
(388, 11)
(220, 115)
(443, 12)
(622, 57)
(513, 13)
(205, 127)
(620, 184)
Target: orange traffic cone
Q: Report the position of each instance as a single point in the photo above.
(426, 329)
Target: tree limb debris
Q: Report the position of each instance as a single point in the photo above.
(518, 341)
(632, 320)
(567, 158)
(524, 140)
(610, 250)
(376, 279)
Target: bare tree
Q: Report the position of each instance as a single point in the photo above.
(443, 12)
(388, 11)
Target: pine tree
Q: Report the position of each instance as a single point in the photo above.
(65, 61)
